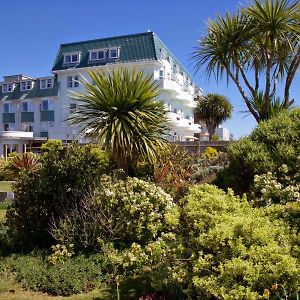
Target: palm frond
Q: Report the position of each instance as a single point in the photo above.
(119, 110)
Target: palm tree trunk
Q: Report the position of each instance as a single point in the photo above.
(211, 128)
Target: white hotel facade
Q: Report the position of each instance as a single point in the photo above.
(33, 110)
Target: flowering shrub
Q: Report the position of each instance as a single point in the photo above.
(60, 253)
(210, 153)
(223, 249)
(277, 187)
(117, 211)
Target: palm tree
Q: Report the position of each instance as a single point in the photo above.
(276, 105)
(119, 110)
(213, 109)
(256, 48)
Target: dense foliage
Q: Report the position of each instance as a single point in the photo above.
(224, 249)
(117, 211)
(45, 194)
(273, 145)
(81, 274)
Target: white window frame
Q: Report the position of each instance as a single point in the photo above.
(27, 126)
(11, 126)
(161, 74)
(30, 107)
(73, 81)
(50, 105)
(97, 51)
(46, 83)
(117, 52)
(26, 85)
(8, 87)
(45, 125)
(71, 54)
(11, 108)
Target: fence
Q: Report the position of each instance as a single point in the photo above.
(196, 146)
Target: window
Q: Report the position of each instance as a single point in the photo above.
(73, 108)
(9, 126)
(45, 125)
(46, 83)
(163, 54)
(47, 105)
(27, 106)
(26, 85)
(97, 54)
(27, 126)
(73, 81)
(114, 53)
(8, 108)
(161, 74)
(173, 68)
(71, 58)
(7, 87)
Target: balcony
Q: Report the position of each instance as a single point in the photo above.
(171, 85)
(16, 135)
(177, 121)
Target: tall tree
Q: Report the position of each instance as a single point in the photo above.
(213, 109)
(256, 48)
(119, 110)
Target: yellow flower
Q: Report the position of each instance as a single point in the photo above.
(266, 293)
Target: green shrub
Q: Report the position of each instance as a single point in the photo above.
(3, 165)
(76, 275)
(5, 204)
(272, 144)
(56, 187)
(117, 211)
(225, 249)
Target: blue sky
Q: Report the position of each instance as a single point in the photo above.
(32, 30)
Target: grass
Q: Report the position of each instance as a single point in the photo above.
(10, 290)
(6, 186)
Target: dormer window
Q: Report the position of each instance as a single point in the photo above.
(26, 85)
(114, 52)
(71, 58)
(46, 83)
(8, 87)
(97, 54)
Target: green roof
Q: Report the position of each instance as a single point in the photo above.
(35, 92)
(139, 47)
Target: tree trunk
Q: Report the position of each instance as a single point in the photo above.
(211, 128)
